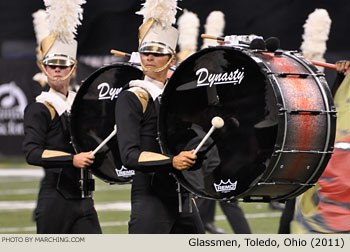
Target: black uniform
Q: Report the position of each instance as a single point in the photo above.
(60, 208)
(154, 200)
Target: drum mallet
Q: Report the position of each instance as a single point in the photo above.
(220, 40)
(106, 140)
(217, 123)
(207, 36)
(120, 54)
(323, 64)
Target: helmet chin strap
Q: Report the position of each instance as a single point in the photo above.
(61, 78)
(157, 69)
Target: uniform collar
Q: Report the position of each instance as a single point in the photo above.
(60, 102)
(153, 87)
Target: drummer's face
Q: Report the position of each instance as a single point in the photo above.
(154, 61)
(58, 72)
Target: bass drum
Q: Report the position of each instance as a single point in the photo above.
(279, 123)
(93, 119)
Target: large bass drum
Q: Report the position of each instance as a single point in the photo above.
(279, 123)
(93, 119)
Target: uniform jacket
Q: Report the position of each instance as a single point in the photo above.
(47, 142)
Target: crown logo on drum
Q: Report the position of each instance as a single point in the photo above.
(225, 187)
(125, 172)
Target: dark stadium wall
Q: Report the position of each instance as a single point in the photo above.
(111, 24)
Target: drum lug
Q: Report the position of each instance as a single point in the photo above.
(306, 152)
(307, 112)
(282, 110)
(301, 75)
(278, 53)
(295, 53)
(320, 74)
(257, 199)
(284, 183)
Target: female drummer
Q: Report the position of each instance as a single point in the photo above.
(60, 208)
(154, 199)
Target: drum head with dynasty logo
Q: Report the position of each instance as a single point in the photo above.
(93, 119)
(215, 82)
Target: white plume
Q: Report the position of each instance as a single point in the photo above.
(214, 26)
(164, 11)
(188, 25)
(41, 25)
(41, 78)
(64, 17)
(316, 31)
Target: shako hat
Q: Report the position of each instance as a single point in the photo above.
(60, 47)
(156, 34)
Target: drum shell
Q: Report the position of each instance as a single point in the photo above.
(304, 142)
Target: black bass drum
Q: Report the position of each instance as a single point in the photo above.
(93, 119)
(279, 123)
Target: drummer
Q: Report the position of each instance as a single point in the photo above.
(60, 207)
(154, 199)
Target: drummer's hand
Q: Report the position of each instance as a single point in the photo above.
(184, 160)
(342, 66)
(83, 159)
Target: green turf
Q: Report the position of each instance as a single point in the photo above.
(26, 197)
(117, 195)
(12, 184)
(14, 161)
(21, 218)
(115, 230)
(113, 222)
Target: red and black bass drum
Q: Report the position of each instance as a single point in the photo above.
(93, 119)
(279, 123)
